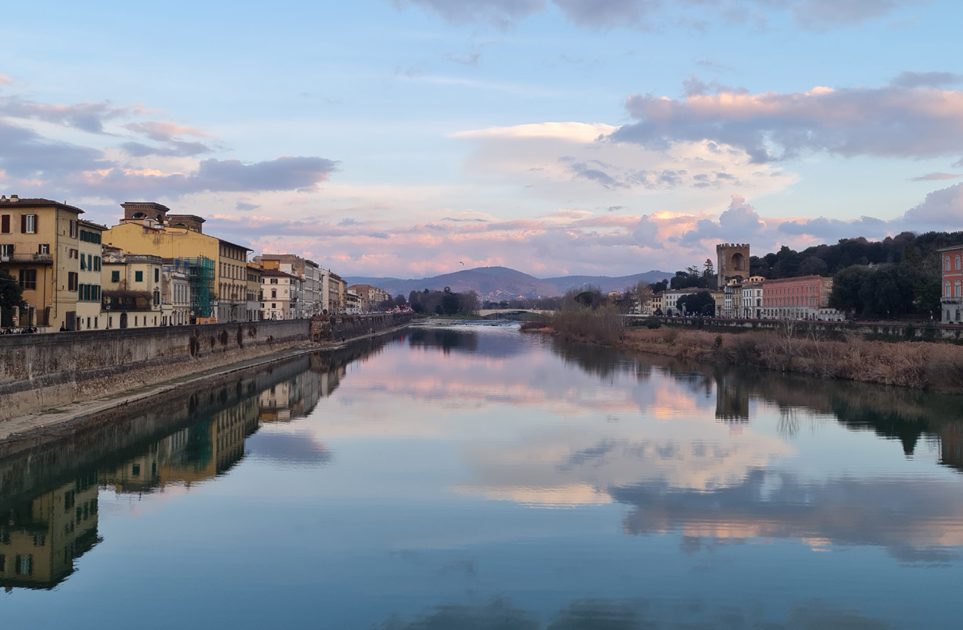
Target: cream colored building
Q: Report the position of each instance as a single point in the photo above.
(279, 291)
(132, 289)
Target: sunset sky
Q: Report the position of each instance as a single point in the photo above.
(405, 137)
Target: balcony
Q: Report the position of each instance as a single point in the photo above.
(951, 300)
(28, 259)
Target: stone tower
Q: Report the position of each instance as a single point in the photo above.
(733, 262)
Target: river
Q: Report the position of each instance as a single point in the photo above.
(476, 477)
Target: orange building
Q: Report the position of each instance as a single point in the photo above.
(952, 294)
(801, 298)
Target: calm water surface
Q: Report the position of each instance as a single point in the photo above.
(475, 477)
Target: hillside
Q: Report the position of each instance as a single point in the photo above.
(502, 283)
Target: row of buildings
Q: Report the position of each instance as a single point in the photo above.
(154, 268)
(740, 295)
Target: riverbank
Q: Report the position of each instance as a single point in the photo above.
(78, 400)
(919, 365)
(794, 349)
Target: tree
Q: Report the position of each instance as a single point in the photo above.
(11, 296)
(701, 303)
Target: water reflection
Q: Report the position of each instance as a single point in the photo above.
(600, 614)
(46, 524)
(425, 493)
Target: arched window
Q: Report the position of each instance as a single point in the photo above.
(957, 263)
(946, 263)
(946, 289)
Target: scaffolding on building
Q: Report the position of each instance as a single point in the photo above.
(200, 275)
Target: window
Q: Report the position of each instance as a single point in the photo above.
(71, 281)
(73, 229)
(96, 263)
(39, 540)
(3, 563)
(24, 564)
(28, 223)
(946, 263)
(274, 293)
(115, 276)
(28, 279)
(6, 250)
(156, 275)
(83, 262)
(957, 263)
(138, 276)
(43, 248)
(5, 224)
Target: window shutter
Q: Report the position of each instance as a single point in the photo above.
(5, 224)
(23, 224)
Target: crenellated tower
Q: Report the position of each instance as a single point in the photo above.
(733, 262)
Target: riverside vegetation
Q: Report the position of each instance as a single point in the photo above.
(794, 347)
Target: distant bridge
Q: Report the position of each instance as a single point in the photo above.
(487, 312)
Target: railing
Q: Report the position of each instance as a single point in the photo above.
(42, 259)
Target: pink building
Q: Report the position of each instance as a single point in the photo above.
(952, 294)
(799, 298)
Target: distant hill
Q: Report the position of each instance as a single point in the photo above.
(502, 283)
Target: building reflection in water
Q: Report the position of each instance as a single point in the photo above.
(41, 538)
(43, 531)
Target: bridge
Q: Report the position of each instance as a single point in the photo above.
(489, 312)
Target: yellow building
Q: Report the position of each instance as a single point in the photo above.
(147, 228)
(40, 539)
(39, 247)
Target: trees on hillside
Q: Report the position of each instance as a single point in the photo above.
(444, 302)
(700, 303)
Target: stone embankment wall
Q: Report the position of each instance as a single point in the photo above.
(43, 371)
(881, 331)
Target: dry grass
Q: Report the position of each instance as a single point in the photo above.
(919, 365)
(602, 325)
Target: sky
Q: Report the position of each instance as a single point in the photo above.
(407, 138)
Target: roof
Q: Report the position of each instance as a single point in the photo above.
(221, 240)
(951, 248)
(37, 203)
(92, 225)
(275, 273)
(796, 279)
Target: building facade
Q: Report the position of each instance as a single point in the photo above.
(89, 292)
(370, 296)
(309, 299)
(218, 293)
(131, 289)
(254, 279)
(40, 249)
(803, 298)
(278, 294)
(951, 299)
(732, 262)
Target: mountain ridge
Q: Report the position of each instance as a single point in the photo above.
(503, 283)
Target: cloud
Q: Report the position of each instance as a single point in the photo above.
(25, 153)
(298, 448)
(890, 121)
(285, 173)
(940, 208)
(165, 131)
(465, 59)
(604, 14)
(927, 79)
(88, 117)
(934, 177)
(501, 13)
(5, 79)
(737, 223)
(173, 149)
